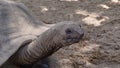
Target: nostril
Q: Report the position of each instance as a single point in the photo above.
(82, 34)
(80, 25)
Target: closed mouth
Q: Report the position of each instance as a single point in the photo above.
(76, 39)
(73, 40)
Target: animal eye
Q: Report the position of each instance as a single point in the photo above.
(68, 31)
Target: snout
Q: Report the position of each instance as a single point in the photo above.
(80, 33)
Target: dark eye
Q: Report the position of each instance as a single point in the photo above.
(68, 31)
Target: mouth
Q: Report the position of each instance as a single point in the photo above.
(73, 40)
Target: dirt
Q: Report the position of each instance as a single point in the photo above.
(100, 20)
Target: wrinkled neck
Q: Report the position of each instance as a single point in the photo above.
(45, 45)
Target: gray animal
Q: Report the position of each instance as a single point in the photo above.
(23, 40)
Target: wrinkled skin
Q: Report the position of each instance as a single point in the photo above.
(60, 35)
(32, 50)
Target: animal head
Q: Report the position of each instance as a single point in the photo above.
(67, 33)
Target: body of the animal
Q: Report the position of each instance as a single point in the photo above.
(23, 40)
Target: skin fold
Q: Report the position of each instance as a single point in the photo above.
(58, 36)
(24, 41)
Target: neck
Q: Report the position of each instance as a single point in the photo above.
(42, 47)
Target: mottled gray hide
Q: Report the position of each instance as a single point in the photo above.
(18, 26)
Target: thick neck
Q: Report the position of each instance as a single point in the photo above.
(42, 47)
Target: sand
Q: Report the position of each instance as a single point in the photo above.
(100, 20)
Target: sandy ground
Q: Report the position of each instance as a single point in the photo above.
(100, 20)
